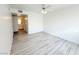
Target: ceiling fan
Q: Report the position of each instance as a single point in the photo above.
(44, 8)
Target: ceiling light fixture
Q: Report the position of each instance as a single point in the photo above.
(19, 12)
(43, 9)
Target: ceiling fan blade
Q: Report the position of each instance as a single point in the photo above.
(48, 6)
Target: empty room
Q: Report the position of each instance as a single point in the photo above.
(39, 29)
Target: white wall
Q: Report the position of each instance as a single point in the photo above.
(15, 23)
(35, 22)
(63, 23)
(6, 35)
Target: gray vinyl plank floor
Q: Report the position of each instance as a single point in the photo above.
(42, 44)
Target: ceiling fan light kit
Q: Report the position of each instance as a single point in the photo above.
(44, 10)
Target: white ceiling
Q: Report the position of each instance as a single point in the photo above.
(38, 7)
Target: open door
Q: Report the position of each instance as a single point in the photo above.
(23, 23)
(20, 23)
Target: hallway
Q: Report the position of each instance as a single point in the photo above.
(42, 44)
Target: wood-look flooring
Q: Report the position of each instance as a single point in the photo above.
(42, 44)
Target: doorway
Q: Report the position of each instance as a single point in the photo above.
(23, 23)
(20, 23)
